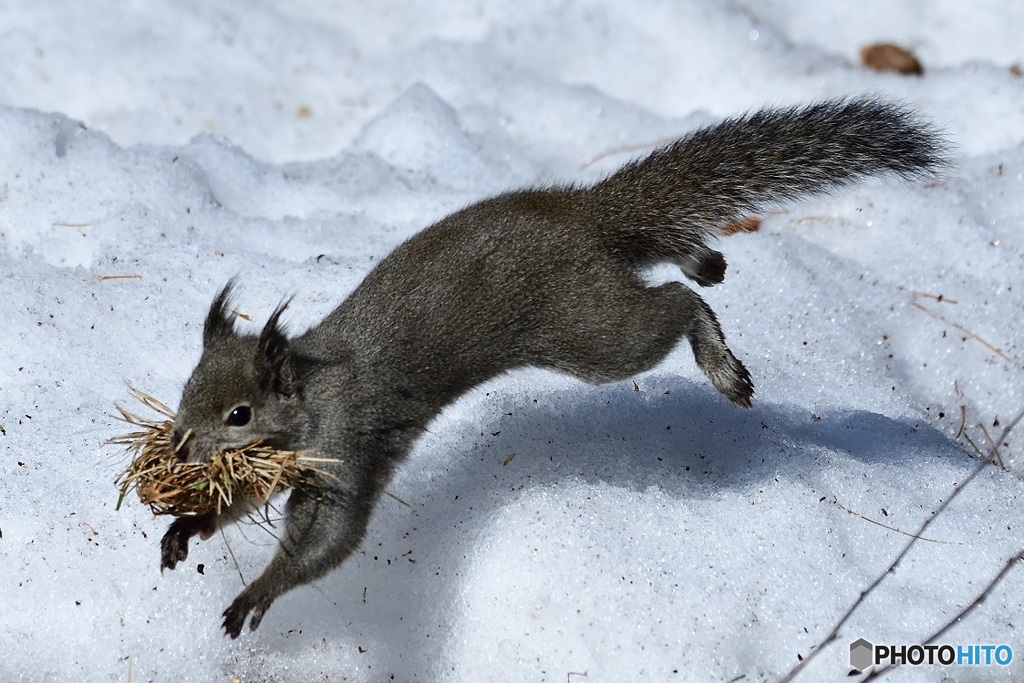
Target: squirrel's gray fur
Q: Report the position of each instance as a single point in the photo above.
(540, 277)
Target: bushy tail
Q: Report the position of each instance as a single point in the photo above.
(665, 205)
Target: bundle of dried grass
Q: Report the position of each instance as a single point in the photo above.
(172, 487)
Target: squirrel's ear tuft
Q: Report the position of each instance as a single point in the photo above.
(274, 361)
(219, 321)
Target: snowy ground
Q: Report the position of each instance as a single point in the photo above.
(151, 150)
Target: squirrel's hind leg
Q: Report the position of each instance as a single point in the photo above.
(673, 310)
(713, 356)
(631, 329)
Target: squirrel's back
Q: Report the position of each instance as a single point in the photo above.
(548, 276)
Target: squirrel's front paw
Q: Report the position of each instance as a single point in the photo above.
(174, 545)
(248, 601)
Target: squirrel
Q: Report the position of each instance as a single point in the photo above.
(545, 277)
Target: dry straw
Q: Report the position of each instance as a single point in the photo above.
(170, 486)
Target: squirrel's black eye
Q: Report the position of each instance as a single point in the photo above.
(239, 416)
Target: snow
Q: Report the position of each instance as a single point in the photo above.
(557, 532)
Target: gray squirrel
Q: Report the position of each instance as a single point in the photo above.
(543, 277)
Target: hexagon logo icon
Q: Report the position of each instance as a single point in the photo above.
(862, 654)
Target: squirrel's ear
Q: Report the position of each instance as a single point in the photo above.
(274, 361)
(219, 321)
